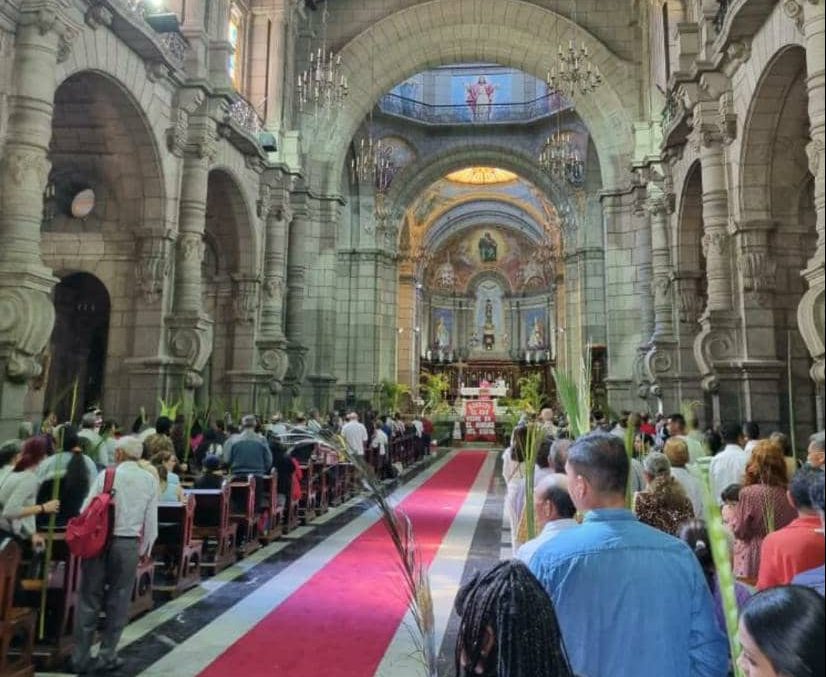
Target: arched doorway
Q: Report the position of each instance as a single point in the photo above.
(78, 344)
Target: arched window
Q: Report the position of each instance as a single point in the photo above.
(234, 36)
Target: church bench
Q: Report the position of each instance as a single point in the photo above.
(17, 624)
(308, 501)
(176, 553)
(141, 600)
(271, 516)
(322, 478)
(212, 526)
(244, 512)
(62, 585)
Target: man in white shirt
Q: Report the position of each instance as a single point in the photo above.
(728, 466)
(354, 434)
(554, 512)
(106, 581)
(380, 441)
(677, 428)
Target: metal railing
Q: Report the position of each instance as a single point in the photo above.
(484, 114)
(242, 113)
(720, 16)
(173, 43)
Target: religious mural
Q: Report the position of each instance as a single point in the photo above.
(475, 250)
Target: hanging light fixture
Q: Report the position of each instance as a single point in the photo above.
(560, 157)
(573, 72)
(323, 87)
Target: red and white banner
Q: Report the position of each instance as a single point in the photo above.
(480, 421)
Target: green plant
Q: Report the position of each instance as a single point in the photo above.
(574, 392)
(433, 388)
(170, 410)
(390, 395)
(531, 397)
(629, 450)
(688, 408)
(531, 452)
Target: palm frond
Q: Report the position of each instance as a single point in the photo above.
(574, 392)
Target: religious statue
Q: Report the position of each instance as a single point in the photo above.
(487, 249)
(442, 334)
(488, 331)
(488, 314)
(480, 98)
(537, 338)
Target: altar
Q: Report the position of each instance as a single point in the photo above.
(494, 392)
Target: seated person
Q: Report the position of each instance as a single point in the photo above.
(211, 477)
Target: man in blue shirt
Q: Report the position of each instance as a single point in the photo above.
(631, 600)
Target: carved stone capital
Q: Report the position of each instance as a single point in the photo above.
(273, 288)
(26, 322)
(154, 263)
(98, 15)
(297, 367)
(26, 166)
(717, 342)
(814, 153)
(190, 342)
(794, 10)
(274, 359)
(715, 243)
(191, 246)
(245, 298)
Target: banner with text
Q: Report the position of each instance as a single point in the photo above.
(480, 421)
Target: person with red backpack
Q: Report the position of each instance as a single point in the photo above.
(108, 573)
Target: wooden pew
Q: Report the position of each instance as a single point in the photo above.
(177, 555)
(16, 624)
(309, 487)
(212, 526)
(244, 512)
(271, 518)
(63, 583)
(322, 479)
(141, 600)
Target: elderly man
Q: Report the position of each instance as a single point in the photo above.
(106, 581)
(546, 420)
(554, 511)
(354, 434)
(816, 453)
(247, 453)
(588, 572)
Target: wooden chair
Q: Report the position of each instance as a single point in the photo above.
(212, 526)
(244, 513)
(16, 624)
(271, 517)
(63, 583)
(176, 553)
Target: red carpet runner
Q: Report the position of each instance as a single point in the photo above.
(342, 620)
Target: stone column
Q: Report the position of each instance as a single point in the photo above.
(190, 330)
(272, 344)
(44, 30)
(810, 310)
(296, 274)
(268, 63)
(717, 344)
(641, 256)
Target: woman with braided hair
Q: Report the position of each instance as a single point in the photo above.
(508, 626)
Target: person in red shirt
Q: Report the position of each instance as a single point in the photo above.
(799, 546)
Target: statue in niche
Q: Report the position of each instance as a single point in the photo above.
(442, 334)
(487, 249)
(489, 329)
(537, 338)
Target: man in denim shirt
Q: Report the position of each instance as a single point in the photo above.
(631, 600)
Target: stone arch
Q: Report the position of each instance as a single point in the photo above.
(688, 253)
(97, 123)
(784, 71)
(229, 223)
(441, 32)
(494, 275)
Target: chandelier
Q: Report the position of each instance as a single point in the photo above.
(560, 157)
(372, 164)
(323, 86)
(573, 73)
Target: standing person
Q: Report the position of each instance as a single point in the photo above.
(664, 504)
(762, 507)
(314, 422)
(781, 633)
(107, 580)
(798, 546)
(513, 472)
(546, 421)
(354, 434)
(816, 453)
(676, 450)
(77, 472)
(89, 428)
(751, 434)
(816, 578)
(508, 627)
(554, 512)
(606, 622)
(727, 467)
(678, 428)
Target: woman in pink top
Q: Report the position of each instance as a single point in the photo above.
(762, 507)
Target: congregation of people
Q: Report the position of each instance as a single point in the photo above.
(621, 579)
(54, 475)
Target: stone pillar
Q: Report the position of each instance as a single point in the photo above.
(44, 30)
(810, 311)
(272, 344)
(406, 304)
(268, 60)
(296, 274)
(717, 344)
(641, 257)
(190, 329)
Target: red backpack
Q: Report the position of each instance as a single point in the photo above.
(87, 535)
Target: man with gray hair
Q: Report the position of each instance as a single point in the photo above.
(554, 511)
(816, 454)
(588, 573)
(106, 581)
(558, 455)
(89, 430)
